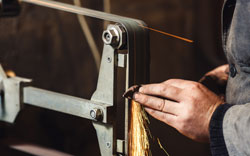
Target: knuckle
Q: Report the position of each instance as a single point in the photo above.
(162, 88)
(195, 85)
(161, 105)
(186, 116)
(169, 81)
(137, 97)
(174, 91)
(143, 99)
(191, 99)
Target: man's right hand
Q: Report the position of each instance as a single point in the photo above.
(185, 105)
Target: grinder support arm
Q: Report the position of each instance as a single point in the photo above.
(127, 34)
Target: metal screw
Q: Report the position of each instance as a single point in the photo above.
(111, 37)
(109, 59)
(108, 144)
(96, 114)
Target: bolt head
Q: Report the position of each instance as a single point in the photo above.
(96, 114)
(111, 37)
(116, 36)
(93, 114)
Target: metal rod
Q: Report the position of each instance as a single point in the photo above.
(63, 103)
(89, 36)
(107, 9)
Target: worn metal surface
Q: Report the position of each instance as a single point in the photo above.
(63, 103)
(10, 103)
(105, 95)
(106, 92)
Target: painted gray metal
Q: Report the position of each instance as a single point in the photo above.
(104, 98)
(63, 103)
(10, 101)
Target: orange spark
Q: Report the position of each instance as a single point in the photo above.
(168, 34)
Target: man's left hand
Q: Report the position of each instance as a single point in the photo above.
(184, 105)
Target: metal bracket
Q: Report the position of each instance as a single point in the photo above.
(10, 96)
(113, 39)
(102, 108)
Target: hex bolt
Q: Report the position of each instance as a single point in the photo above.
(115, 36)
(96, 114)
(111, 37)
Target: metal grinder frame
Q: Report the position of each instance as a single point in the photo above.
(126, 34)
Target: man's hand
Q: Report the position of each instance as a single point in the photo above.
(184, 105)
(219, 74)
(216, 80)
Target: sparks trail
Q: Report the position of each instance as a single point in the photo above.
(164, 33)
(158, 140)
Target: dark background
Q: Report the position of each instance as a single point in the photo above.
(49, 47)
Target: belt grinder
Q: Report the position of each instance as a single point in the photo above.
(126, 34)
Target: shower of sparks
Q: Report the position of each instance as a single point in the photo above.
(139, 143)
(168, 34)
